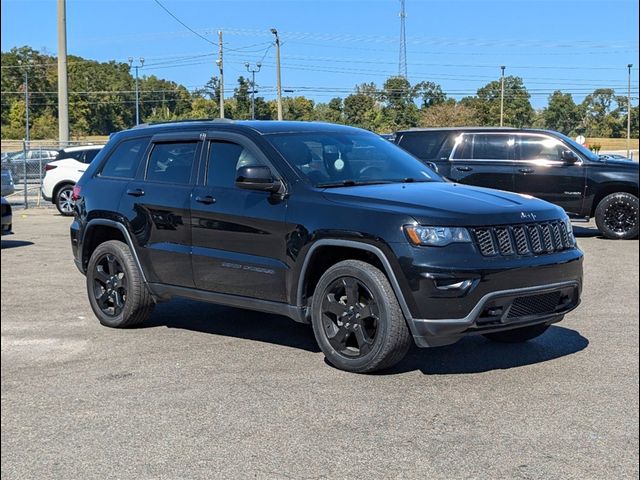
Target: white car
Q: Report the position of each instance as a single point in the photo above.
(61, 175)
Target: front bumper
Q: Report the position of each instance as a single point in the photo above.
(448, 299)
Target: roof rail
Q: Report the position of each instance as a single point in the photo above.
(189, 120)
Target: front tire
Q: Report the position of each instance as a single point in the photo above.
(518, 335)
(117, 293)
(64, 200)
(617, 216)
(357, 320)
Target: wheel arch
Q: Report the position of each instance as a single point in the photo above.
(608, 189)
(324, 253)
(100, 230)
(59, 186)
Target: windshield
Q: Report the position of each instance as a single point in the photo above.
(581, 148)
(342, 159)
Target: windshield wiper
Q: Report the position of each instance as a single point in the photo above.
(350, 183)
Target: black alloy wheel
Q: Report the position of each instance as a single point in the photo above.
(350, 317)
(357, 320)
(110, 285)
(617, 216)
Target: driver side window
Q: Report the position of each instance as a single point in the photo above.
(224, 159)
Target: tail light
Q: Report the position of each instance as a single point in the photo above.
(48, 167)
(76, 193)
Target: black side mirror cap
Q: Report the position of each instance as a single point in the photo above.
(257, 177)
(569, 157)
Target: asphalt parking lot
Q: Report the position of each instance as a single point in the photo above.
(209, 392)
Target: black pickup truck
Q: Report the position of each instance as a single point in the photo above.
(540, 163)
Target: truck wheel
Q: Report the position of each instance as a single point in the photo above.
(518, 335)
(117, 294)
(617, 216)
(356, 318)
(64, 200)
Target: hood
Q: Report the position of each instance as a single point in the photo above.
(447, 204)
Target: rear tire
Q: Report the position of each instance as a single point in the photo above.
(617, 216)
(64, 200)
(357, 320)
(518, 335)
(117, 293)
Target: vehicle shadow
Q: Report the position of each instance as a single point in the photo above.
(471, 355)
(15, 243)
(232, 322)
(476, 354)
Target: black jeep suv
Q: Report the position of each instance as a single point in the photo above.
(542, 163)
(327, 224)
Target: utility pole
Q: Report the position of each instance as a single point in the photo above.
(220, 64)
(63, 93)
(253, 72)
(402, 61)
(278, 79)
(137, 92)
(26, 102)
(629, 111)
(502, 96)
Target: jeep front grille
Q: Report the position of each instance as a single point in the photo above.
(530, 239)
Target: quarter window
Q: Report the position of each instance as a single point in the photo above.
(171, 162)
(124, 160)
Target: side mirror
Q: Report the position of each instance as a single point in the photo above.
(257, 177)
(569, 157)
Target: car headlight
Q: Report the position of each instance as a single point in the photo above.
(567, 222)
(436, 236)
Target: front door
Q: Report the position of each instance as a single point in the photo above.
(239, 236)
(484, 160)
(542, 173)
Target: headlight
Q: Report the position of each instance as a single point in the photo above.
(436, 236)
(567, 223)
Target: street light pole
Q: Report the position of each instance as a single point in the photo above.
(26, 104)
(502, 96)
(253, 72)
(629, 111)
(220, 64)
(278, 79)
(137, 93)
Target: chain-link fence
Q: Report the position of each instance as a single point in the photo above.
(26, 164)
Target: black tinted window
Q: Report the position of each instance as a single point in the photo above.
(171, 162)
(482, 146)
(90, 155)
(224, 160)
(533, 147)
(123, 161)
(425, 145)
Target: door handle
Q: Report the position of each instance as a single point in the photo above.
(207, 200)
(135, 192)
(464, 169)
(526, 170)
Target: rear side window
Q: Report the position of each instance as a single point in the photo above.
(123, 161)
(481, 146)
(224, 160)
(171, 162)
(424, 145)
(90, 155)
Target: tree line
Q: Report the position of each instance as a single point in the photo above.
(102, 101)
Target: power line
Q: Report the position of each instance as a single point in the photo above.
(182, 23)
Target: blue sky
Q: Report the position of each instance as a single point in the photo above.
(330, 46)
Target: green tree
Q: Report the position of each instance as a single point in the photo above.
(449, 114)
(561, 113)
(329, 112)
(601, 114)
(400, 110)
(431, 94)
(518, 111)
(360, 110)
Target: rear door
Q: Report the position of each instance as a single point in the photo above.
(158, 205)
(239, 236)
(484, 159)
(542, 173)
